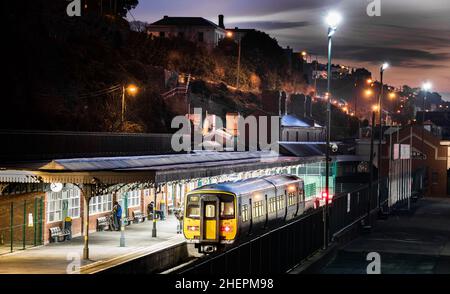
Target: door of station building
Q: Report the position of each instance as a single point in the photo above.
(209, 223)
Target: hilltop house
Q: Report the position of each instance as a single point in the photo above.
(195, 29)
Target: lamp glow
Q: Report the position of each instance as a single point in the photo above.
(333, 19)
(427, 86)
(385, 66)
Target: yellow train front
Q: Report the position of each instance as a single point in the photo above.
(220, 214)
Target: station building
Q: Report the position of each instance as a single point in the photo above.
(29, 207)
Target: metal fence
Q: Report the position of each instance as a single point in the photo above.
(21, 224)
(286, 247)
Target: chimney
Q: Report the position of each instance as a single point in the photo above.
(221, 24)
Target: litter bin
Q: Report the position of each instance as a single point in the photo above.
(68, 227)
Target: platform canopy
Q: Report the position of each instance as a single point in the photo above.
(155, 168)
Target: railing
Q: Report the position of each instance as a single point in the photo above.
(274, 252)
(175, 91)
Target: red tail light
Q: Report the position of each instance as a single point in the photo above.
(324, 197)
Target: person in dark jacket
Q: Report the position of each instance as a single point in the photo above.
(150, 209)
(117, 215)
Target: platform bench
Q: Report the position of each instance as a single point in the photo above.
(103, 223)
(56, 234)
(130, 219)
(138, 216)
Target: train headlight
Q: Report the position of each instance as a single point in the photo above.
(193, 228)
(226, 229)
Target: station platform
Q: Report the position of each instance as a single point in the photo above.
(105, 251)
(414, 242)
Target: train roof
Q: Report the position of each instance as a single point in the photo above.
(250, 185)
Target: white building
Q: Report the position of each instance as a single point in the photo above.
(195, 29)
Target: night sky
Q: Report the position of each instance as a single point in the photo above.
(413, 35)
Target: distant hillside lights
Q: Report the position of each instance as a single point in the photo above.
(74, 8)
(251, 135)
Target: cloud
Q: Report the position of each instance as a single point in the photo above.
(412, 58)
(227, 7)
(270, 25)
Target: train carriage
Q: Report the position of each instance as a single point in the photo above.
(220, 214)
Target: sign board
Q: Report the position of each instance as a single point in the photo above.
(405, 151)
(30, 220)
(396, 151)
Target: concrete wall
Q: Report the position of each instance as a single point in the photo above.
(153, 263)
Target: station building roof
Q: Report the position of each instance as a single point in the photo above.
(158, 168)
(155, 168)
(293, 121)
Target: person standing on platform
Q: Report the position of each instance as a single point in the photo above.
(179, 216)
(162, 208)
(117, 215)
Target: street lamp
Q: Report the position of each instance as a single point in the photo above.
(132, 90)
(426, 87)
(370, 192)
(380, 133)
(230, 35)
(333, 19)
(369, 92)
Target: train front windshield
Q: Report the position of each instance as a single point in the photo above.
(226, 206)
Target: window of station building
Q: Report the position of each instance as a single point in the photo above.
(146, 192)
(100, 204)
(258, 209)
(55, 205)
(162, 34)
(244, 213)
(133, 198)
(73, 197)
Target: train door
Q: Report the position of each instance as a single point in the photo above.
(209, 222)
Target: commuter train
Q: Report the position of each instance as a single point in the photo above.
(219, 214)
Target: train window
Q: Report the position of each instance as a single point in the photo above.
(292, 199)
(258, 209)
(226, 206)
(272, 204)
(280, 202)
(210, 211)
(193, 207)
(244, 213)
(193, 211)
(227, 209)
